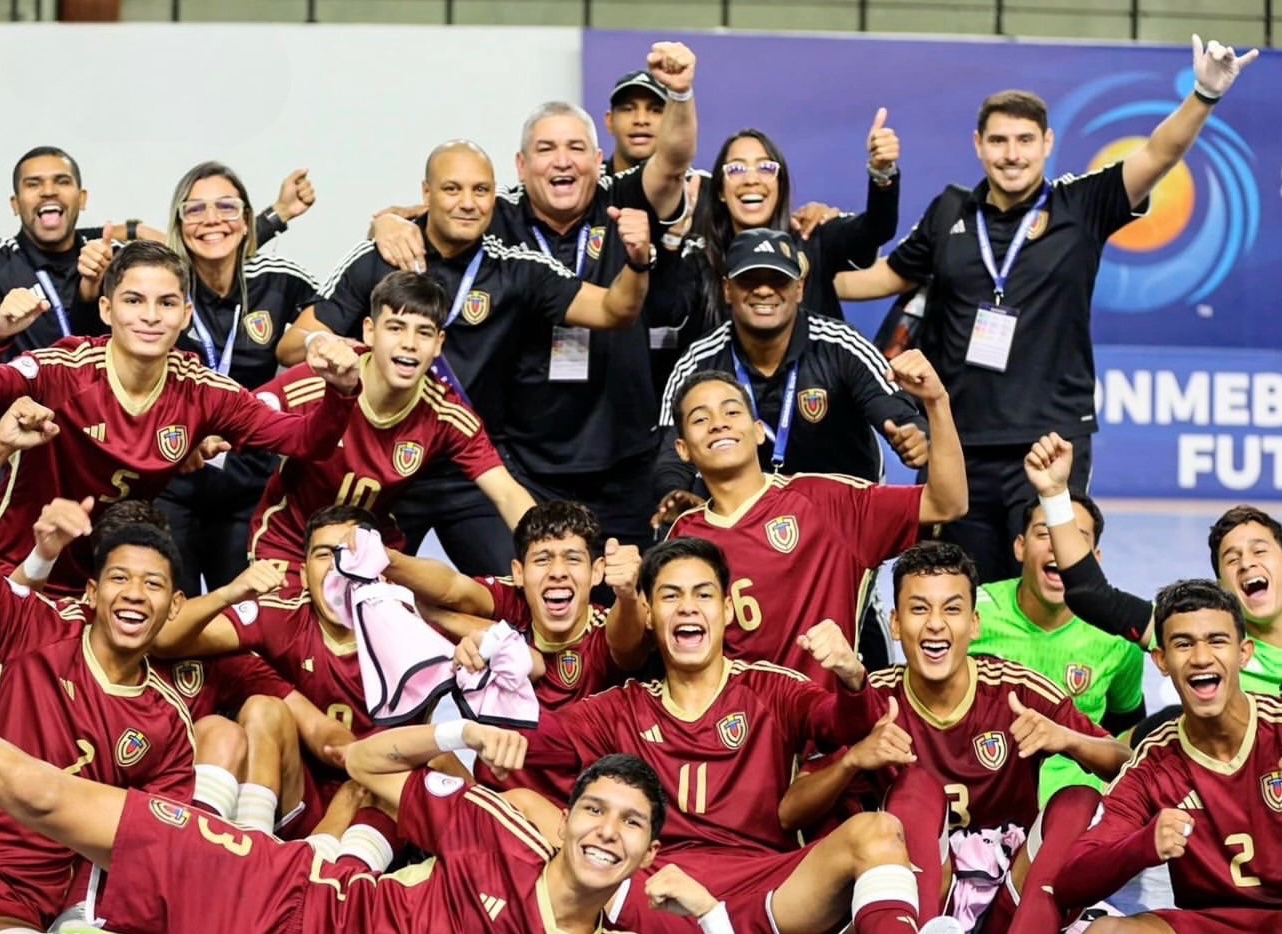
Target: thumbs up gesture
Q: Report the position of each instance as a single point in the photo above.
(909, 442)
(883, 144)
(297, 194)
(1033, 732)
(887, 744)
(95, 257)
(622, 564)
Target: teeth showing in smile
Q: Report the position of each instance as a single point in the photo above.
(1204, 685)
(599, 856)
(721, 443)
(934, 649)
(1253, 585)
(405, 361)
(49, 209)
(752, 199)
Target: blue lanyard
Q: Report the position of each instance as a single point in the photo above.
(1017, 244)
(780, 435)
(55, 301)
(580, 253)
(441, 367)
(221, 363)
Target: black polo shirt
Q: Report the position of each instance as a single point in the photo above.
(20, 258)
(590, 425)
(843, 399)
(513, 287)
(1049, 382)
(275, 290)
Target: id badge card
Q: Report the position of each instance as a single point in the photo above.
(569, 360)
(991, 338)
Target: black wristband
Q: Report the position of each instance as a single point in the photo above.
(1092, 598)
(278, 223)
(1205, 98)
(131, 230)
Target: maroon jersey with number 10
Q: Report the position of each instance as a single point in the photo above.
(804, 550)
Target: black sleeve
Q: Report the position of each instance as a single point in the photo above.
(852, 240)
(344, 302)
(551, 286)
(1101, 201)
(266, 229)
(863, 370)
(1092, 598)
(627, 190)
(914, 257)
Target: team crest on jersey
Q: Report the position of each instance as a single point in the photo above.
(407, 457)
(131, 747)
(1271, 788)
(1041, 220)
(258, 326)
(596, 239)
(569, 665)
(189, 677)
(172, 441)
(813, 404)
(783, 533)
(476, 307)
(733, 729)
(175, 815)
(1077, 678)
(990, 749)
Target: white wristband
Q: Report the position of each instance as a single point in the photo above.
(37, 568)
(716, 921)
(311, 336)
(680, 97)
(449, 735)
(1058, 509)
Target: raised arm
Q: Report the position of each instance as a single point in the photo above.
(200, 627)
(663, 176)
(291, 349)
(877, 281)
(620, 305)
(435, 583)
(946, 495)
(510, 498)
(625, 630)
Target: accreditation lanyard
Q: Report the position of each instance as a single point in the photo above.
(1000, 277)
(580, 253)
(221, 363)
(55, 301)
(441, 365)
(779, 435)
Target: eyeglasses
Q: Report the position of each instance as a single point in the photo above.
(763, 167)
(225, 209)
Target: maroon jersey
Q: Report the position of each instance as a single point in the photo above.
(575, 668)
(971, 751)
(375, 461)
(221, 685)
(804, 550)
(57, 705)
(1232, 859)
(29, 620)
(111, 449)
(724, 769)
(288, 634)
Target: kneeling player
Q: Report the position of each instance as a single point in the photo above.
(979, 727)
(1203, 793)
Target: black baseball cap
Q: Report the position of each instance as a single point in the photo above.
(638, 79)
(762, 248)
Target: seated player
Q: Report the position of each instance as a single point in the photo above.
(980, 728)
(723, 737)
(818, 535)
(1203, 793)
(102, 712)
(493, 870)
(407, 418)
(130, 407)
(1025, 620)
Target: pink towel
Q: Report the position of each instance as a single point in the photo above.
(502, 694)
(981, 860)
(406, 665)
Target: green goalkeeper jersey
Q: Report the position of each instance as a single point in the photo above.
(1100, 672)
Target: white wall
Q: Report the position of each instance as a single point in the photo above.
(139, 104)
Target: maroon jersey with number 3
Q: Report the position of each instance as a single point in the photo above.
(1232, 859)
(971, 750)
(111, 448)
(802, 551)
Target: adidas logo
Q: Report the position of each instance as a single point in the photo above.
(652, 735)
(959, 227)
(765, 246)
(1191, 802)
(493, 906)
(98, 432)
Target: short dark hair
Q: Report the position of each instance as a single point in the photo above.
(1189, 596)
(336, 515)
(127, 512)
(1239, 515)
(555, 519)
(1077, 496)
(44, 151)
(935, 558)
(141, 535)
(631, 771)
(677, 549)
(411, 293)
(693, 382)
(1024, 105)
(143, 253)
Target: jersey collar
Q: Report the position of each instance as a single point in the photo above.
(953, 717)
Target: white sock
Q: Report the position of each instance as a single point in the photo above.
(216, 790)
(325, 844)
(256, 807)
(367, 845)
(888, 883)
